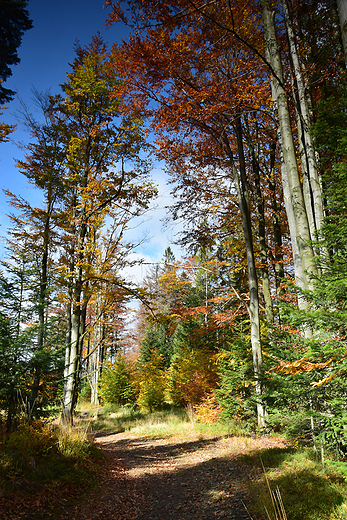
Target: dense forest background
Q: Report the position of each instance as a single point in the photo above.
(245, 103)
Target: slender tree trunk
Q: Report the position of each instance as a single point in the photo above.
(95, 366)
(278, 256)
(72, 363)
(68, 334)
(292, 189)
(65, 418)
(311, 182)
(342, 9)
(98, 357)
(73, 352)
(83, 319)
(276, 220)
(262, 239)
(240, 182)
(43, 296)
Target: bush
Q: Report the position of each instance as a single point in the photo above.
(116, 382)
(30, 443)
(208, 411)
(152, 383)
(192, 375)
(39, 454)
(73, 443)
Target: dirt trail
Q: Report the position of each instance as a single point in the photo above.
(171, 480)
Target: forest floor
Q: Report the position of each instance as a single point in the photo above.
(162, 479)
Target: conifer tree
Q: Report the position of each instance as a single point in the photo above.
(14, 21)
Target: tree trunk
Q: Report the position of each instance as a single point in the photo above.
(275, 255)
(97, 358)
(95, 367)
(292, 189)
(73, 350)
(71, 380)
(277, 258)
(240, 182)
(311, 182)
(43, 296)
(269, 315)
(73, 353)
(342, 9)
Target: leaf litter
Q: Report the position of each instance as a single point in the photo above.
(156, 479)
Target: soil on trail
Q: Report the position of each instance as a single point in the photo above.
(163, 479)
(172, 480)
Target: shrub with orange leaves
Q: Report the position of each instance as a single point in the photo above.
(191, 376)
(208, 411)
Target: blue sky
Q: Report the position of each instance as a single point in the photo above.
(45, 53)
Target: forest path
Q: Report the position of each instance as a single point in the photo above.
(171, 479)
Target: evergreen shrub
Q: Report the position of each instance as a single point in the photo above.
(152, 383)
(235, 393)
(116, 383)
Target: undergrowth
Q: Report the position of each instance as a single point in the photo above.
(306, 491)
(60, 457)
(171, 422)
(39, 454)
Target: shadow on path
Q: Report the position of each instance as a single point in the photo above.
(183, 481)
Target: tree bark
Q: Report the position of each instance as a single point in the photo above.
(293, 194)
(342, 9)
(311, 183)
(72, 369)
(43, 296)
(263, 248)
(276, 221)
(73, 352)
(240, 183)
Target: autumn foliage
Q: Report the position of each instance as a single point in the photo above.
(245, 107)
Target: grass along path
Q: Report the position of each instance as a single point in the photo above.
(162, 466)
(176, 469)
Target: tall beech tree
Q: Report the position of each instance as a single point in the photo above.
(208, 104)
(99, 140)
(207, 76)
(303, 199)
(88, 158)
(296, 207)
